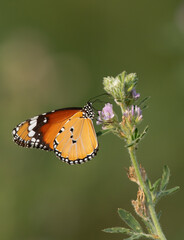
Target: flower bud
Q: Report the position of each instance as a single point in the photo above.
(122, 87)
(114, 86)
(135, 95)
(130, 81)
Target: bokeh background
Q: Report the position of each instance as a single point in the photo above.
(54, 54)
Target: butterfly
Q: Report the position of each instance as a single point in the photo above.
(69, 132)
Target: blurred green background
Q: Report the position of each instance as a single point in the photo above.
(54, 54)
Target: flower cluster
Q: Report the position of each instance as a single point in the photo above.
(122, 87)
(133, 114)
(114, 86)
(105, 117)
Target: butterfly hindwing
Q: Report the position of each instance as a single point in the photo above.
(76, 142)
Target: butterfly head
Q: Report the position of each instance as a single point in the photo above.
(88, 111)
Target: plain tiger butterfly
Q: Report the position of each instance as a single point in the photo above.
(68, 132)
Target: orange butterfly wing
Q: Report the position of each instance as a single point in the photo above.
(40, 131)
(68, 132)
(76, 142)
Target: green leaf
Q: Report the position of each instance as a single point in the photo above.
(148, 225)
(144, 132)
(159, 215)
(144, 107)
(169, 191)
(166, 193)
(133, 237)
(165, 178)
(131, 144)
(141, 235)
(136, 133)
(156, 185)
(129, 220)
(117, 230)
(139, 137)
(155, 190)
(102, 132)
(143, 101)
(148, 182)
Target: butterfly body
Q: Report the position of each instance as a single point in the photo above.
(68, 132)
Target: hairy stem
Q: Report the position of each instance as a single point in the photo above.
(151, 208)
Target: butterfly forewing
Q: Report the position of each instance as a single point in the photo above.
(40, 131)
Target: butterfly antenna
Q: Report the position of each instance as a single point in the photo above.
(90, 100)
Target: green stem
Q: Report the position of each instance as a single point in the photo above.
(151, 208)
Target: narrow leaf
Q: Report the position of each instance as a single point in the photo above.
(148, 182)
(144, 107)
(136, 133)
(139, 137)
(170, 191)
(165, 178)
(117, 230)
(144, 132)
(142, 235)
(159, 215)
(148, 225)
(102, 132)
(133, 237)
(155, 189)
(131, 144)
(129, 220)
(143, 101)
(155, 185)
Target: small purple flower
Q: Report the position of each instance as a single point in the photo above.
(133, 114)
(135, 95)
(138, 113)
(106, 114)
(132, 110)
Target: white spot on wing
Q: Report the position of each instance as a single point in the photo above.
(31, 134)
(45, 120)
(32, 121)
(34, 118)
(33, 124)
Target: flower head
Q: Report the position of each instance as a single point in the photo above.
(130, 82)
(122, 88)
(113, 86)
(133, 114)
(105, 115)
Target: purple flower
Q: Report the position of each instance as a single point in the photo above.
(135, 95)
(106, 114)
(138, 113)
(134, 113)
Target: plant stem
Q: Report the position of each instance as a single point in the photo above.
(151, 208)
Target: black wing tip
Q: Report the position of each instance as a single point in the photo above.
(29, 144)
